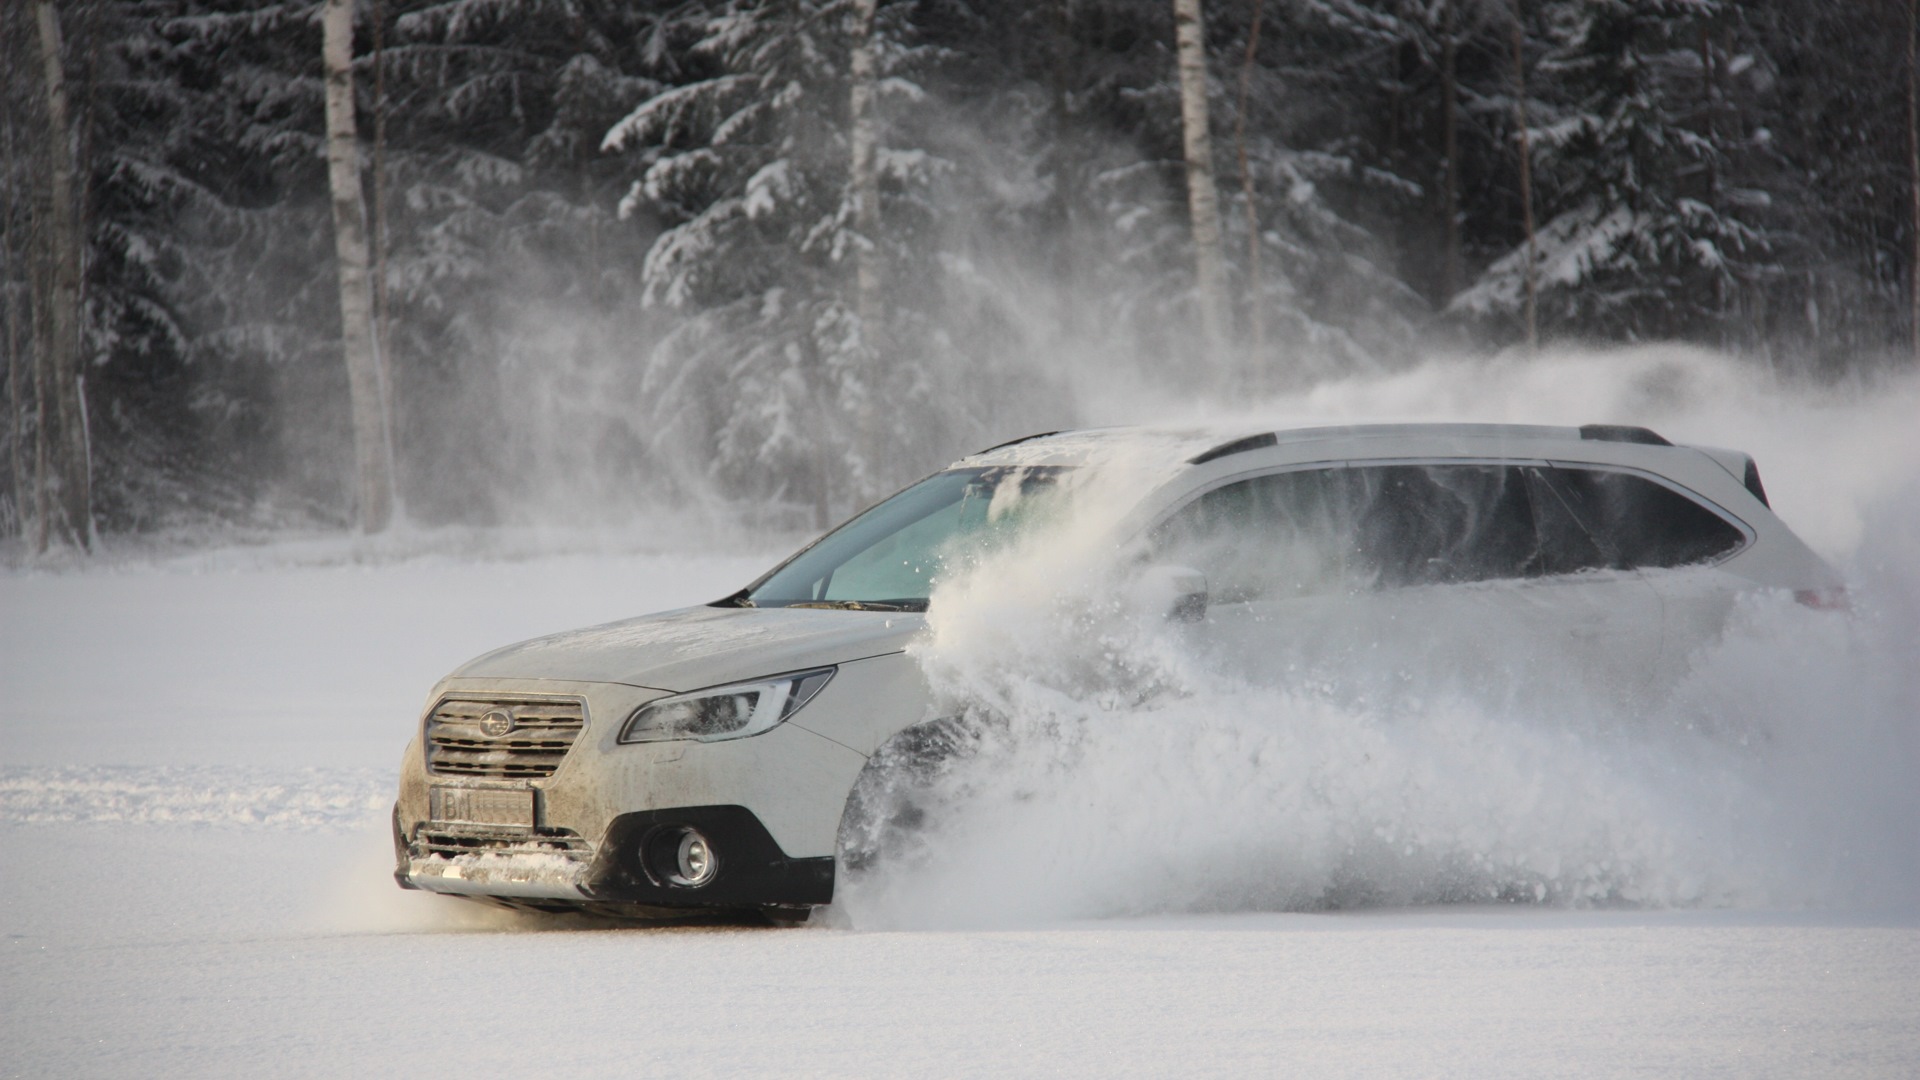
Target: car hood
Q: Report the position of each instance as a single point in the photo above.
(696, 647)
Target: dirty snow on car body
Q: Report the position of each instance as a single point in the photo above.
(1141, 864)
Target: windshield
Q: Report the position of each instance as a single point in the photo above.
(890, 557)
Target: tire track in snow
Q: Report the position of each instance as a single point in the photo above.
(196, 795)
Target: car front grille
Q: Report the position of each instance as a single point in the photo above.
(438, 840)
(539, 735)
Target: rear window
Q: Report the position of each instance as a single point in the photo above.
(1389, 526)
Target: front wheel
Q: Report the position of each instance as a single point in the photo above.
(893, 798)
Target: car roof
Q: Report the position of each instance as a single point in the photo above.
(1175, 464)
(1199, 445)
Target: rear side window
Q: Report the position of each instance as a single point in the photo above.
(1386, 526)
(1323, 530)
(1642, 523)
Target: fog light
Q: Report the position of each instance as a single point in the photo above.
(694, 862)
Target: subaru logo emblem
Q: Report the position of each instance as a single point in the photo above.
(496, 723)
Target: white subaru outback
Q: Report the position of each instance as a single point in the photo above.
(702, 759)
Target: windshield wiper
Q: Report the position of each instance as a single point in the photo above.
(860, 605)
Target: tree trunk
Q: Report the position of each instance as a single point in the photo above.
(382, 325)
(1065, 166)
(374, 466)
(1450, 141)
(863, 169)
(1203, 200)
(1526, 174)
(863, 178)
(66, 477)
(1256, 311)
(16, 423)
(42, 415)
(16, 416)
(1713, 102)
(1913, 169)
(17, 350)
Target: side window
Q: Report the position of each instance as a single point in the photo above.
(1378, 526)
(1393, 526)
(1641, 523)
(1567, 544)
(1440, 524)
(1266, 537)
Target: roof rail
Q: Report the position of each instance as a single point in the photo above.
(1621, 433)
(1237, 446)
(1013, 442)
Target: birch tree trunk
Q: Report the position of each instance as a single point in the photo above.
(382, 324)
(1203, 200)
(372, 458)
(863, 172)
(1256, 313)
(1519, 42)
(65, 475)
(863, 177)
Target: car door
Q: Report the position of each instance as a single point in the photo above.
(1673, 541)
(1370, 577)
(1271, 548)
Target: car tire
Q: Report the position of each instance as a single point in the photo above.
(892, 800)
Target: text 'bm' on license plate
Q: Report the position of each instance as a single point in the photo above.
(481, 806)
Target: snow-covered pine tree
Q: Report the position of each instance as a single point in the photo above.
(188, 120)
(1087, 116)
(1430, 115)
(1821, 90)
(508, 274)
(162, 202)
(769, 376)
(1639, 236)
(1030, 223)
(1331, 296)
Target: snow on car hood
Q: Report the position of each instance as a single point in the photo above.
(701, 646)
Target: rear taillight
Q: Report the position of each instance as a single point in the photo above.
(1831, 598)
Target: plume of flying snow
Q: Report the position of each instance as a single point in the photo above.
(1105, 766)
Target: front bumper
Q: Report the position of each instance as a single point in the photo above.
(769, 805)
(554, 868)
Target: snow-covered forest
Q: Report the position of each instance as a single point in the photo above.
(778, 257)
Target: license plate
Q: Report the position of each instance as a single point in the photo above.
(481, 806)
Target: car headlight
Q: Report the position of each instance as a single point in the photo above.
(725, 712)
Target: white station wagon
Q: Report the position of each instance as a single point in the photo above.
(702, 759)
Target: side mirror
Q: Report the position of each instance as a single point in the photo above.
(1180, 591)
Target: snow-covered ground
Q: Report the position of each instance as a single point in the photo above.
(267, 952)
(197, 753)
(193, 882)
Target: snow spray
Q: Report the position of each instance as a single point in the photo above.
(1102, 769)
